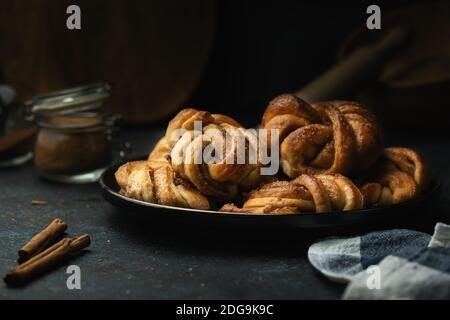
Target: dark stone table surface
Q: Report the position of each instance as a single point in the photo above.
(136, 259)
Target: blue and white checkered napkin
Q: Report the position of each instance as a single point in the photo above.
(394, 264)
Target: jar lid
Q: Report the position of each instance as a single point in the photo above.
(71, 101)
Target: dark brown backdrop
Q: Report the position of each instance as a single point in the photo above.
(152, 51)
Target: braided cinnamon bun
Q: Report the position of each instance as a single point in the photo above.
(230, 170)
(322, 193)
(161, 152)
(399, 175)
(324, 138)
(156, 182)
(388, 188)
(409, 162)
(275, 197)
(332, 192)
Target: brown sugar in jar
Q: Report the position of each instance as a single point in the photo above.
(68, 146)
(73, 142)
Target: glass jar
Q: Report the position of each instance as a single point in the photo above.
(74, 139)
(16, 133)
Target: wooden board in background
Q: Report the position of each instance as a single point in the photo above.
(153, 51)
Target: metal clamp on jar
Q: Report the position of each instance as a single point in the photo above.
(74, 139)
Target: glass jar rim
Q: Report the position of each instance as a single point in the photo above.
(75, 100)
(82, 120)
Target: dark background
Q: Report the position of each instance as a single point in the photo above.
(265, 48)
(258, 49)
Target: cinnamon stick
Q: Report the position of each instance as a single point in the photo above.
(38, 202)
(47, 259)
(42, 240)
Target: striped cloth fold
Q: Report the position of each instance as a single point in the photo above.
(393, 264)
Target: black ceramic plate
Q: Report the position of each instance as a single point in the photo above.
(403, 211)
